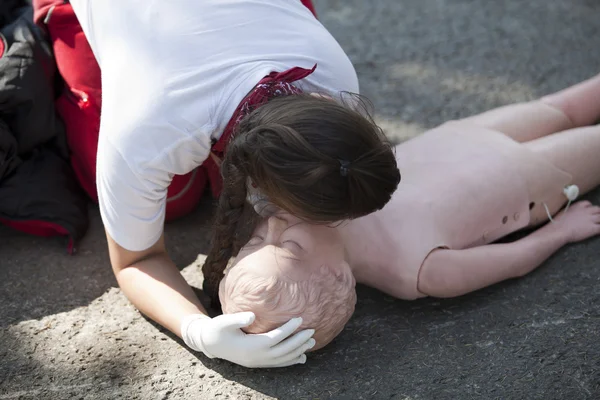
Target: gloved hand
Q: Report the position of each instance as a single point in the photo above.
(222, 337)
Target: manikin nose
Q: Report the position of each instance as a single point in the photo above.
(275, 226)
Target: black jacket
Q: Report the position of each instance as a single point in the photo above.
(38, 190)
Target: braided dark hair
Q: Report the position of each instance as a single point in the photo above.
(319, 159)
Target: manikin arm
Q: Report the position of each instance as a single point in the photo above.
(450, 273)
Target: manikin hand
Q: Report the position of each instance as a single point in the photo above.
(581, 221)
(222, 337)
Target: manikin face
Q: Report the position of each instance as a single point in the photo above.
(291, 268)
(285, 245)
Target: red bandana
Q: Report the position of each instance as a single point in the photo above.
(273, 85)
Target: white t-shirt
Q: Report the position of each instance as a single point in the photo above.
(173, 73)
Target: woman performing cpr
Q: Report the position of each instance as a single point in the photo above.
(157, 91)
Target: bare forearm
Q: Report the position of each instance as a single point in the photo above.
(522, 256)
(448, 273)
(156, 288)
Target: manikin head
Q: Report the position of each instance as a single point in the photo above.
(291, 268)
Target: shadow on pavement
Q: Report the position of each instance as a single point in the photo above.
(39, 278)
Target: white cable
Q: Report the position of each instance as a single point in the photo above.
(548, 212)
(571, 192)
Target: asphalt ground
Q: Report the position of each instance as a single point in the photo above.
(67, 332)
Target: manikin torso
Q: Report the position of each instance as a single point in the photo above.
(462, 186)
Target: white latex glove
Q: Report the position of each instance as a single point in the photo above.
(222, 337)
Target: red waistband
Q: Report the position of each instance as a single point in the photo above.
(275, 84)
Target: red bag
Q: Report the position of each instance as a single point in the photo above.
(79, 106)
